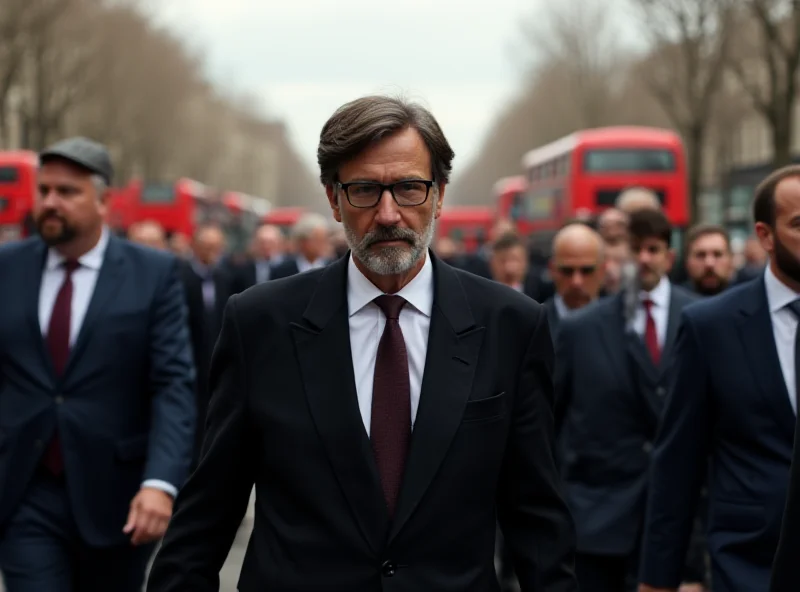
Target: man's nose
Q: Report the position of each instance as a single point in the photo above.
(388, 213)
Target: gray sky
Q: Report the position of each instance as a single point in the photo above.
(304, 58)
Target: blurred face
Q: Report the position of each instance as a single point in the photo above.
(782, 242)
(509, 266)
(267, 242)
(389, 239)
(613, 226)
(315, 245)
(654, 259)
(209, 245)
(709, 264)
(616, 256)
(149, 235)
(577, 273)
(68, 206)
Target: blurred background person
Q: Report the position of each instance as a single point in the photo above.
(310, 239)
(709, 260)
(266, 251)
(150, 234)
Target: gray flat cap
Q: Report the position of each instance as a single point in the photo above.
(84, 152)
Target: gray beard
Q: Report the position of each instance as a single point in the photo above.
(391, 260)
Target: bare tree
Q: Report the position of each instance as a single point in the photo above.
(767, 67)
(684, 71)
(13, 18)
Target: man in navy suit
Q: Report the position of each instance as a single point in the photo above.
(96, 390)
(732, 399)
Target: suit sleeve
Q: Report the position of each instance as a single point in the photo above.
(533, 516)
(679, 463)
(172, 382)
(563, 374)
(212, 504)
(785, 573)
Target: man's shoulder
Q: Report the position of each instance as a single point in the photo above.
(280, 296)
(486, 294)
(724, 307)
(146, 258)
(10, 252)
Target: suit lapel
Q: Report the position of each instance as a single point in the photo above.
(758, 340)
(454, 343)
(614, 333)
(108, 283)
(31, 287)
(322, 343)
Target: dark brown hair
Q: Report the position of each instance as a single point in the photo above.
(357, 124)
(507, 241)
(700, 230)
(764, 203)
(644, 224)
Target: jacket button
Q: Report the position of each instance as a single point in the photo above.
(388, 569)
(59, 400)
(647, 447)
(661, 391)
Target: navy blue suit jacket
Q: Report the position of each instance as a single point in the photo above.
(125, 404)
(727, 401)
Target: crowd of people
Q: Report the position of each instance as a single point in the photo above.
(411, 417)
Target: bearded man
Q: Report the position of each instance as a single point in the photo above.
(389, 408)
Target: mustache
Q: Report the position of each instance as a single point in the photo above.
(389, 233)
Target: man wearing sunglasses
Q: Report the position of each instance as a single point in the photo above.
(610, 385)
(389, 408)
(577, 269)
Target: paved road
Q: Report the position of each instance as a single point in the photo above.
(229, 575)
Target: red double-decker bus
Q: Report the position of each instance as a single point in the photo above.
(583, 173)
(469, 225)
(17, 192)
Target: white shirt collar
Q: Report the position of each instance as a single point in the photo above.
(659, 295)
(418, 292)
(93, 258)
(779, 295)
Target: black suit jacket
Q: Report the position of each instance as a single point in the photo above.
(204, 328)
(727, 401)
(124, 406)
(284, 415)
(610, 398)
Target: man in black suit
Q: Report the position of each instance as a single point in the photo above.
(613, 362)
(732, 399)
(208, 285)
(96, 406)
(311, 237)
(389, 408)
(577, 269)
(265, 253)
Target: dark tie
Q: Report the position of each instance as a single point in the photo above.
(58, 344)
(390, 427)
(795, 308)
(650, 333)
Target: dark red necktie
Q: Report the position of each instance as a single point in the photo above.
(390, 427)
(58, 344)
(650, 333)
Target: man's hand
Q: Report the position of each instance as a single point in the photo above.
(150, 512)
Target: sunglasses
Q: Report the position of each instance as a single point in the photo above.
(569, 270)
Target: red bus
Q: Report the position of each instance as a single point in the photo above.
(469, 225)
(583, 173)
(283, 217)
(182, 206)
(510, 196)
(17, 192)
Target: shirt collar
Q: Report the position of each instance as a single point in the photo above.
(779, 295)
(418, 292)
(659, 295)
(93, 258)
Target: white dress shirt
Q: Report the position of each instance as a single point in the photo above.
(784, 326)
(84, 279)
(660, 295)
(304, 264)
(366, 328)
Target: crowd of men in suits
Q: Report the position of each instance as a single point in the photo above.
(399, 412)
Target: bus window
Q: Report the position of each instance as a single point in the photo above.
(9, 174)
(613, 160)
(154, 193)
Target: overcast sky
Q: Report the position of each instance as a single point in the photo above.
(304, 58)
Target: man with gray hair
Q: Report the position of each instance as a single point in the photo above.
(637, 198)
(388, 408)
(310, 235)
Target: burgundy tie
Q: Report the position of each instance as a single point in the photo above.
(650, 334)
(390, 427)
(58, 344)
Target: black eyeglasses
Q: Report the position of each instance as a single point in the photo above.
(569, 270)
(412, 192)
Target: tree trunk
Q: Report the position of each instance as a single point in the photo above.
(695, 137)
